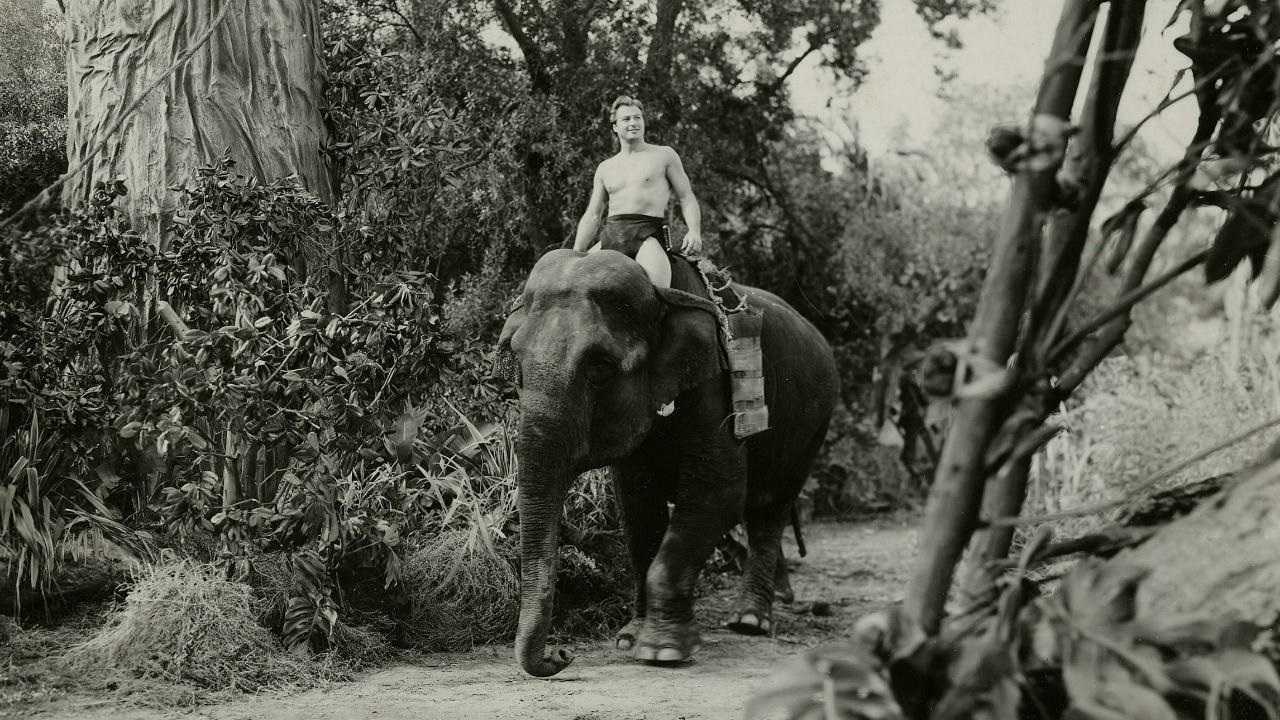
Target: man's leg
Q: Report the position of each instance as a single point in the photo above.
(654, 260)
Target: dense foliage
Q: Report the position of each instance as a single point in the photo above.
(33, 103)
(466, 135)
(252, 412)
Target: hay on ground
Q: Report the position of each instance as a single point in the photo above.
(463, 592)
(183, 622)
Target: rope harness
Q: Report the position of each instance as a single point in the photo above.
(717, 290)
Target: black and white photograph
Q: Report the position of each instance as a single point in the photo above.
(640, 359)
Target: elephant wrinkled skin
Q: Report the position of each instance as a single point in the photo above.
(599, 351)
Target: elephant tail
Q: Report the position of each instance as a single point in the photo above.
(795, 527)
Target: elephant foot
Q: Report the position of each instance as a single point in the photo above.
(626, 637)
(785, 595)
(751, 622)
(656, 648)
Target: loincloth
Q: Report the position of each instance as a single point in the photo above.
(626, 233)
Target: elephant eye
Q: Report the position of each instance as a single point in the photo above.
(600, 368)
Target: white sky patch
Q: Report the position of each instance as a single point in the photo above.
(898, 105)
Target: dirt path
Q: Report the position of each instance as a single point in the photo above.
(851, 568)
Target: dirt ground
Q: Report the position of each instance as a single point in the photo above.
(851, 568)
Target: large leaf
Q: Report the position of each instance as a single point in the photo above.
(1106, 693)
(404, 431)
(1230, 679)
(833, 682)
(1246, 231)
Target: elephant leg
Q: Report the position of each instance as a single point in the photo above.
(644, 519)
(754, 612)
(669, 634)
(782, 580)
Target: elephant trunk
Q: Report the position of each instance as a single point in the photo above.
(544, 480)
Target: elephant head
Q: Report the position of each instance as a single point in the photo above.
(599, 350)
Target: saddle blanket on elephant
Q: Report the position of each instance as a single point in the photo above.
(740, 328)
(626, 233)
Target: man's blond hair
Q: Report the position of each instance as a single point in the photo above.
(621, 101)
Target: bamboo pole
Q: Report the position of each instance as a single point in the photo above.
(952, 509)
(1091, 160)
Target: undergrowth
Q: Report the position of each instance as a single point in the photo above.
(1141, 414)
(465, 591)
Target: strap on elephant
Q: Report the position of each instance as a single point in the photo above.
(740, 329)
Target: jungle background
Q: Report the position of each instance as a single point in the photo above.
(304, 450)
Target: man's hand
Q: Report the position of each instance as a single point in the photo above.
(692, 243)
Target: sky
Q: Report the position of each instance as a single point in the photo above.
(898, 103)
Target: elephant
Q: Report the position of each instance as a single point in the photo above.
(597, 351)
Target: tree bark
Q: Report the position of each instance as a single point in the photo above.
(253, 89)
(657, 65)
(534, 61)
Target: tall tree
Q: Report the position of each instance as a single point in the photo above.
(161, 87)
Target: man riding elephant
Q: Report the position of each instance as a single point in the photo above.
(630, 193)
(600, 350)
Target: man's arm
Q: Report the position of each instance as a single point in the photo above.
(590, 221)
(688, 203)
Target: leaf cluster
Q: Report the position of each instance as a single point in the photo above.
(1080, 652)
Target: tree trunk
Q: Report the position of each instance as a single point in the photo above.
(657, 66)
(159, 88)
(253, 88)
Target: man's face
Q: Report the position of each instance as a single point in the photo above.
(628, 123)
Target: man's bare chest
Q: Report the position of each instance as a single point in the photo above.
(627, 173)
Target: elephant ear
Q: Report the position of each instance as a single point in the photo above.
(687, 346)
(505, 366)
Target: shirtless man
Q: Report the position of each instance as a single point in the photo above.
(634, 187)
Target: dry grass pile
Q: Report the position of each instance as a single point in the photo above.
(182, 622)
(464, 591)
(1141, 415)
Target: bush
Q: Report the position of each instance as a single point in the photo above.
(33, 110)
(423, 143)
(594, 589)
(855, 474)
(903, 276)
(322, 414)
(463, 591)
(32, 156)
(49, 519)
(33, 99)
